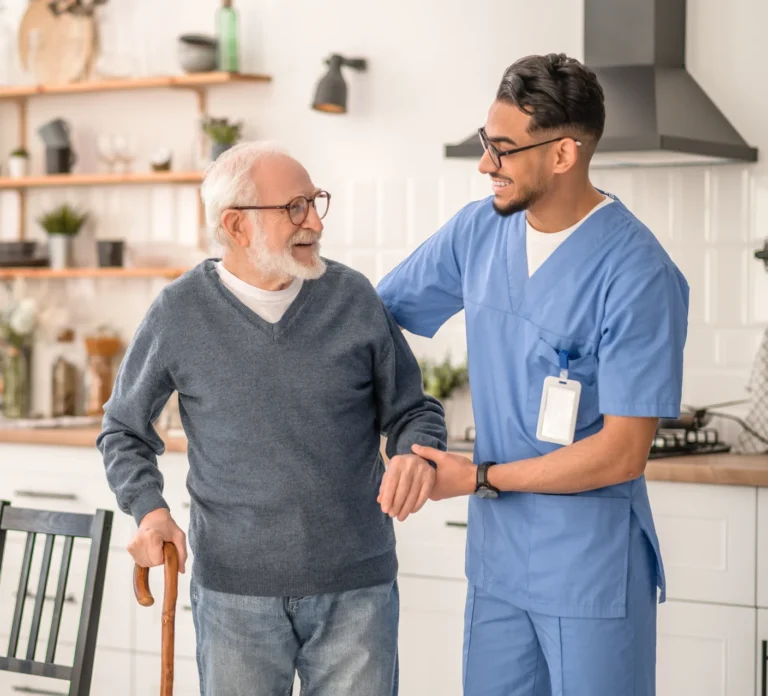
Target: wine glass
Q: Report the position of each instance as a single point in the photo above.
(107, 152)
(125, 151)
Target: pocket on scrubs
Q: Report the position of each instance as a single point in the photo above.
(546, 363)
(579, 555)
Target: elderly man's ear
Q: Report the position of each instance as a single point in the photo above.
(237, 227)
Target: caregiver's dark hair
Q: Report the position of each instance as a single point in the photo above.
(557, 91)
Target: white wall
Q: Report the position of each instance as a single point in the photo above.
(434, 66)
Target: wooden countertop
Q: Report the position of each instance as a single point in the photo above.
(724, 469)
(72, 437)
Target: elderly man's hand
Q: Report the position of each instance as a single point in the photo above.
(406, 485)
(157, 527)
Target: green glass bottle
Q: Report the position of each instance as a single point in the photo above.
(226, 29)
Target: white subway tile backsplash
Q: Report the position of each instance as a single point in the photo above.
(730, 201)
(362, 217)
(728, 286)
(705, 386)
(758, 305)
(423, 209)
(691, 261)
(700, 346)
(759, 227)
(391, 214)
(690, 209)
(737, 348)
(652, 198)
(454, 194)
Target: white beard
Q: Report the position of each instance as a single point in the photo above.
(282, 263)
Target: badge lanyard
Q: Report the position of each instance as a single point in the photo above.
(559, 406)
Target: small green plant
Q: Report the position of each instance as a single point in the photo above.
(19, 152)
(63, 220)
(221, 131)
(442, 379)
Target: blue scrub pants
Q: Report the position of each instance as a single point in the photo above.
(512, 652)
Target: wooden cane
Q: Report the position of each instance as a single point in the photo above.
(170, 593)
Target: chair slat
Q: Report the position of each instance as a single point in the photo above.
(21, 594)
(46, 522)
(42, 587)
(58, 604)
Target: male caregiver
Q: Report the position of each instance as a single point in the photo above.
(576, 322)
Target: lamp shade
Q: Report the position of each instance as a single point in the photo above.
(331, 93)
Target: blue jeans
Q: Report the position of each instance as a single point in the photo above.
(341, 644)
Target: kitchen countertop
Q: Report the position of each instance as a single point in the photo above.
(724, 469)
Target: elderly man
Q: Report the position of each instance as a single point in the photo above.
(288, 370)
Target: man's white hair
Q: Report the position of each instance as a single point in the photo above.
(228, 181)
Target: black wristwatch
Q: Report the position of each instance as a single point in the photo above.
(483, 489)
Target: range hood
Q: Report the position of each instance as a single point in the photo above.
(656, 113)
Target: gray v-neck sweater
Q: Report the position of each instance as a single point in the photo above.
(283, 422)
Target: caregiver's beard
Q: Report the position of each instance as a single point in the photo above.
(525, 201)
(281, 263)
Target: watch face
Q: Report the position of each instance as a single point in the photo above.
(484, 492)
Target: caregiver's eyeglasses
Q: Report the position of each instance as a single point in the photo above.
(495, 154)
(297, 208)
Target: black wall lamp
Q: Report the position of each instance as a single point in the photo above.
(331, 94)
(763, 254)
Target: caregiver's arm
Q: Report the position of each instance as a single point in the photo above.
(617, 453)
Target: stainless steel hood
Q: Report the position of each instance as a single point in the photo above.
(656, 113)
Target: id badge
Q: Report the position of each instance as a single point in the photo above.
(559, 407)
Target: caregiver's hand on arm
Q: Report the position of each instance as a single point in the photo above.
(157, 527)
(406, 486)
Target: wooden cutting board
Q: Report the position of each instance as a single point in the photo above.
(66, 44)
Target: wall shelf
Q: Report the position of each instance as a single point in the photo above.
(106, 179)
(190, 81)
(50, 273)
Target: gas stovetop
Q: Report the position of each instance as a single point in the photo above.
(681, 442)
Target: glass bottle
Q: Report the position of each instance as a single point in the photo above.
(226, 30)
(64, 378)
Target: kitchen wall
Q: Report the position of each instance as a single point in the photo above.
(433, 68)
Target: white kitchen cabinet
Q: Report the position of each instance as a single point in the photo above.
(762, 548)
(705, 650)
(707, 535)
(112, 676)
(186, 681)
(761, 650)
(431, 636)
(432, 542)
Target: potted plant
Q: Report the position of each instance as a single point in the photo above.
(222, 133)
(62, 224)
(18, 321)
(441, 380)
(18, 163)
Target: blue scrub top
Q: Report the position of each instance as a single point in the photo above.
(610, 296)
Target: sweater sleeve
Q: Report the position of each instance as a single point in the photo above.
(128, 441)
(407, 415)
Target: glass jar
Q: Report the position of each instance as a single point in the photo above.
(16, 381)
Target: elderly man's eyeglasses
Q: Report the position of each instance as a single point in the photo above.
(495, 154)
(297, 208)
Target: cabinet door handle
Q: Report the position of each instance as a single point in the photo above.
(39, 692)
(764, 668)
(460, 525)
(187, 607)
(69, 599)
(46, 495)
(185, 505)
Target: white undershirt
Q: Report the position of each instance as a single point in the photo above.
(539, 246)
(270, 305)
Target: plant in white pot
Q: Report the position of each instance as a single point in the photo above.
(62, 224)
(441, 380)
(18, 163)
(222, 133)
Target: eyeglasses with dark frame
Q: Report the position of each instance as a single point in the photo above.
(297, 208)
(495, 154)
